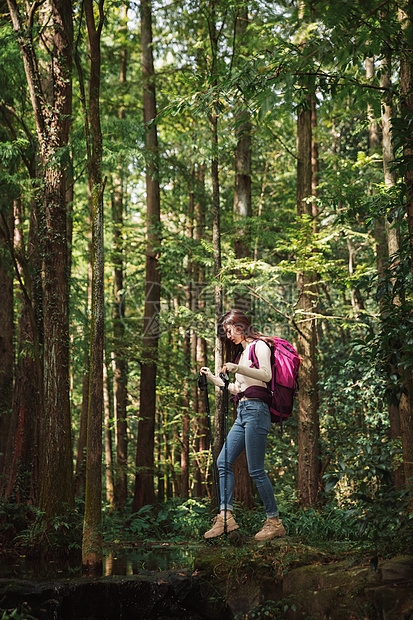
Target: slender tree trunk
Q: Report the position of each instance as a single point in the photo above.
(188, 337)
(243, 490)
(69, 229)
(21, 467)
(193, 275)
(355, 300)
(219, 428)
(184, 484)
(406, 428)
(406, 93)
(390, 179)
(375, 148)
(308, 425)
(201, 345)
(260, 204)
(315, 165)
(92, 536)
(392, 230)
(197, 428)
(120, 362)
(110, 495)
(80, 474)
(6, 335)
(144, 482)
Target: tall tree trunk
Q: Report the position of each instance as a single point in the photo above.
(144, 482)
(92, 536)
(184, 483)
(21, 463)
(80, 473)
(120, 362)
(308, 424)
(393, 241)
(260, 204)
(315, 164)
(108, 418)
(243, 490)
(188, 337)
(201, 345)
(393, 245)
(52, 118)
(193, 275)
(6, 334)
(219, 428)
(374, 149)
(406, 95)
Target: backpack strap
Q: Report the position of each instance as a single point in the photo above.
(271, 382)
(253, 356)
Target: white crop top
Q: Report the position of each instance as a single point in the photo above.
(244, 375)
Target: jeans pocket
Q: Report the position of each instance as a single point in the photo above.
(262, 417)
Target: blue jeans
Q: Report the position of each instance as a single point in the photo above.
(249, 431)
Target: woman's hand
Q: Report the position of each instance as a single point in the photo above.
(205, 371)
(229, 367)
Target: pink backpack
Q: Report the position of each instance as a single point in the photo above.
(285, 363)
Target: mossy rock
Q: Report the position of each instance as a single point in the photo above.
(336, 591)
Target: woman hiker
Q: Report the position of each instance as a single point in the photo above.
(251, 427)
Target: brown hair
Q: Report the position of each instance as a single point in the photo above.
(240, 320)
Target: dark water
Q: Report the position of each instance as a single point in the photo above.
(124, 561)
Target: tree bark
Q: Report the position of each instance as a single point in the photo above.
(201, 345)
(6, 335)
(144, 482)
(219, 429)
(120, 361)
(188, 339)
(393, 241)
(308, 424)
(184, 484)
(52, 113)
(374, 149)
(406, 96)
(92, 536)
(219, 425)
(80, 474)
(108, 419)
(21, 463)
(243, 489)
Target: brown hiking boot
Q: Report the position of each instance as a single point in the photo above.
(270, 530)
(218, 526)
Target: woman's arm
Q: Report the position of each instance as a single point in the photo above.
(264, 372)
(212, 378)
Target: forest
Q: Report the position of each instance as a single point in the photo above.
(160, 163)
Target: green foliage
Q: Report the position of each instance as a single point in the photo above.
(59, 537)
(322, 527)
(366, 476)
(13, 518)
(270, 609)
(173, 520)
(19, 613)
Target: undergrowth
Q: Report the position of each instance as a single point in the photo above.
(333, 529)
